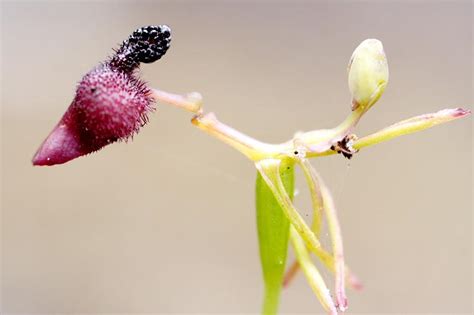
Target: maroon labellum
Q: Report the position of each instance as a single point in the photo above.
(111, 102)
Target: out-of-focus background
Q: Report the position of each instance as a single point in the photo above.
(166, 223)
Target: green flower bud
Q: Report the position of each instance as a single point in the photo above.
(368, 74)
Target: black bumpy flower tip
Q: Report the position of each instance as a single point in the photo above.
(146, 44)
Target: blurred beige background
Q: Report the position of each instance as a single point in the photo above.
(166, 223)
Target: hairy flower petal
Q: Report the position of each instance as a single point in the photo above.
(109, 106)
(111, 102)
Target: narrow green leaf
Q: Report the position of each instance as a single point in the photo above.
(273, 233)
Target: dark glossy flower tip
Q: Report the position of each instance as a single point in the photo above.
(111, 104)
(146, 44)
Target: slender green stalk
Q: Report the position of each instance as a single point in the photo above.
(315, 279)
(411, 125)
(269, 169)
(317, 187)
(273, 233)
(270, 172)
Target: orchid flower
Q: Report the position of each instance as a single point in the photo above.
(112, 103)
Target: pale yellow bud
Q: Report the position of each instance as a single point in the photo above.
(368, 74)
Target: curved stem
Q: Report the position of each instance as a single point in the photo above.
(320, 141)
(192, 102)
(269, 169)
(311, 272)
(318, 187)
(315, 142)
(253, 149)
(411, 125)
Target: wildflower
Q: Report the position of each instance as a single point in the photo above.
(111, 102)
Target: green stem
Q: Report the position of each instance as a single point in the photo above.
(315, 279)
(273, 233)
